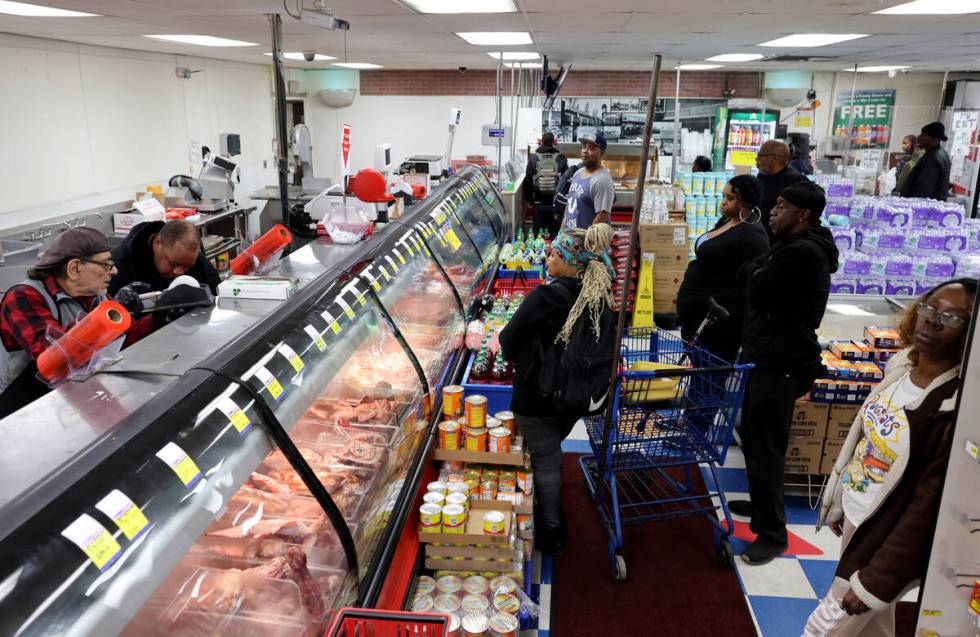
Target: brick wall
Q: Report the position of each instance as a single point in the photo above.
(704, 84)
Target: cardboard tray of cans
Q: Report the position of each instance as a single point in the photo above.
(474, 527)
(513, 459)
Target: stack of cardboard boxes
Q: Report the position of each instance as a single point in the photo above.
(823, 419)
(668, 243)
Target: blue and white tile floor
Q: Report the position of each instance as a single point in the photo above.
(781, 594)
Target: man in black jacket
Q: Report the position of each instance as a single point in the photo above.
(786, 291)
(156, 253)
(930, 175)
(775, 174)
(545, 167)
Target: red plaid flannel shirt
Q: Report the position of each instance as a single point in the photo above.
(25, 317)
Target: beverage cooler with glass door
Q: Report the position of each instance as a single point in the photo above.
(264, 487)
(739, 135)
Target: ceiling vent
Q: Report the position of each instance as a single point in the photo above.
(798, 58)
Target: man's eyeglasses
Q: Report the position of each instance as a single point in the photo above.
(107, 265)
(945, 319)
(760, 155)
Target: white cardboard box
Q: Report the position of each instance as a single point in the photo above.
(257, 287)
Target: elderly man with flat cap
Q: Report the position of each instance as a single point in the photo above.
(70, 278)
(930, 175)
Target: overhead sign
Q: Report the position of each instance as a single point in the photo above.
(872, 111)
(345, 149)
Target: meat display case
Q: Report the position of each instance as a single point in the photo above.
(247, 469)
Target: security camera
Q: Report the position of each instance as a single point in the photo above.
(309, 56)
(462, 69)
(811, 95)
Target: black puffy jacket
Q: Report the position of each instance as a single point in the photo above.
(786, 295)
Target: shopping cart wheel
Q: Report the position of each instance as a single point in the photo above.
(619, 568)
(726, 556)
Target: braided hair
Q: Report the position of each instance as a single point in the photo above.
(588, 248)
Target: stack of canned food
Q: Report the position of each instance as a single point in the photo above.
(468, 427)
(477, 606)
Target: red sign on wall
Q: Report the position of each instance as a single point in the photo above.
(345, 148)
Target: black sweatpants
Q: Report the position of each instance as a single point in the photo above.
(543, 436)
(767, 413)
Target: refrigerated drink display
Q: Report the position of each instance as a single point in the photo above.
(747, 131)
(187, 518)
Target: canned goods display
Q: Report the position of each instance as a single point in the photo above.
(425, 585)
(476, 585)
(503, 585)
(525, 481)
(452, 400)
(455, 629)
(430, 516)
(475, 625)
(449, 585)
(493, 523)
(499, 440)
(472, 474)
(507, 419)
(422, 604)
(434, 497)
(475, 604)
(475, 408)
(525, 522)
(459, 488)
(503, 603)
(507, 483)
(474, 488)
(446, 603)
(453, 519)
(450, 433)
(488, 490)
(438, 486)
(503, 625)
(476, 439)
(492, 423)
(460, 499)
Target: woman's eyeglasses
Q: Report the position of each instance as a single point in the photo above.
(946, 319)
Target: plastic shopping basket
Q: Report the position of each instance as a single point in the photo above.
(363, 622)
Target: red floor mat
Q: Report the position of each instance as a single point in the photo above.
(675, 587)
(797, 545)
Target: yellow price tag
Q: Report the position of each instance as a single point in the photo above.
(392, 262)
(932, 613)
(181, 464)
(972, 450)
(270, 382)
(384, 273)
(331, 322)
(315, 336)
(360, 298)
(347, 310)
(743, 157)
(441, 217)
(400, 257)
(453, 240)
(234, 414)
(94, 540)
(376, 285)
(292, 357)
(124, 512)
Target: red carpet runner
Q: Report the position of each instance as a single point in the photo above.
(675, 586)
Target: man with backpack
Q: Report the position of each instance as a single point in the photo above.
(544, 168)
(552, 339)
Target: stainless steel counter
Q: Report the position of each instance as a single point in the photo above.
(78, 414)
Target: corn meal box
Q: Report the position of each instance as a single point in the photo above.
(882, 337)
(868, 371)
(884, 355)
(809, 420)
(837, 367)
(840, 420)
(833, 390)
(804, 455)
(851, 350)
(831, 449)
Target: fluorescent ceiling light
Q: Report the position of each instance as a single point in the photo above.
(933, 7)
(37, 11)
(876, 69)
(698, 67)
(813, 39)
(201, 40)
(357, 65)
(462, 6)
(522, 65)
(494, 38)
(736, 57)
(515, 55)
(299, 57)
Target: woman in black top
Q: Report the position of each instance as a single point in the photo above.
(736, 238)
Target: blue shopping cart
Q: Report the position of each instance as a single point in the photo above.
(674, 408)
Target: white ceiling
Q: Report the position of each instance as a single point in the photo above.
(591, 34)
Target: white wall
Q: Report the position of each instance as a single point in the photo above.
(413, 125)
(84, 126)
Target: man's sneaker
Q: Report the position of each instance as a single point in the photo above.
(762, 551)
(742, 508)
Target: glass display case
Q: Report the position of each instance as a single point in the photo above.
(847, 314)
(209, 515)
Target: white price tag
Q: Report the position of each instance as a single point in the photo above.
(290, 355)
(269, 382)
(346, 308)
(331, 322)
(234, 413)
(316, 338)
(178, 460)
(95, 541)
(391, 262)
(128, 517)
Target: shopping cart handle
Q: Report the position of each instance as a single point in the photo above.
(677, 373)
(714, 308)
